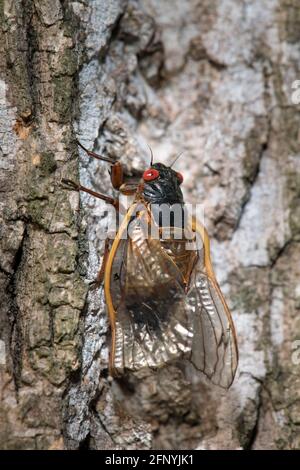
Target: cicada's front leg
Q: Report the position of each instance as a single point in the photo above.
(72, 185)
(116, 174)
(118, 178)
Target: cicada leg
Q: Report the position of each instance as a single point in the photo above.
(77, 187)
(126, 184)
(95, 155)
(116, 172)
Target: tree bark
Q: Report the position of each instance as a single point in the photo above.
(212, 79)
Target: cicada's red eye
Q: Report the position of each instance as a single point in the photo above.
(180, 177)
(150, 174)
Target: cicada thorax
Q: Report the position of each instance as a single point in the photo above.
(148, 261)
(163, 251)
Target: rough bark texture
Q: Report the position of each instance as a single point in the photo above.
(212, 79)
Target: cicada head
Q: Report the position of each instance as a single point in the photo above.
(162, 185)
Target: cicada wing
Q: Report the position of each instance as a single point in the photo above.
(150, 342)
(214, 348)
(153, 322)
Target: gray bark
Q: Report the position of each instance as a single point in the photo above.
(210, 78)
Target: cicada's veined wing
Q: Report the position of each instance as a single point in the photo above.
(214, 349)
(145, 292)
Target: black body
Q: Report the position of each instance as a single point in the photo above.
(165, 189)
(165, 195)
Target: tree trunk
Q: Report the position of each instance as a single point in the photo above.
(212, 79)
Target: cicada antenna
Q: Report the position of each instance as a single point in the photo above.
(178, 156)
(151, 153)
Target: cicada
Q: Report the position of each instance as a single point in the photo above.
(163, 300)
